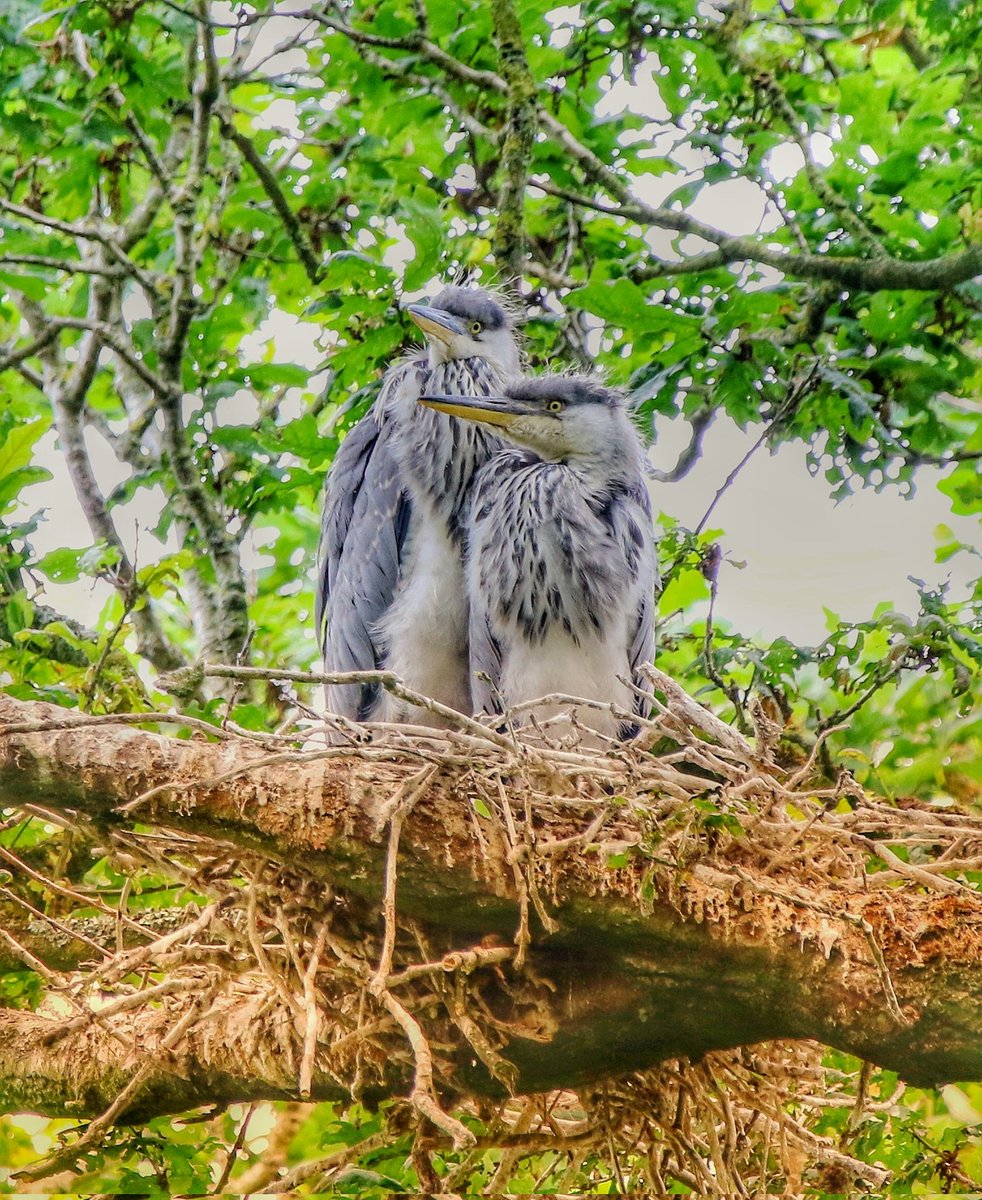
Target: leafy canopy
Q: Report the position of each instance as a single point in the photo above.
(209, 215)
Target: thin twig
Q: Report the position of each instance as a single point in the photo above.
(311, 1020)
(423, 1096)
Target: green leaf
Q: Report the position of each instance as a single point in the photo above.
(425, 230)
(17, 443)
(12, 484)
(622, 303)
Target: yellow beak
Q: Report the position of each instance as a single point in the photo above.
(490, 410)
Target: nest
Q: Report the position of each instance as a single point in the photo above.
(307, 988)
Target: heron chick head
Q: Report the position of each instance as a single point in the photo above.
(467, 322)
(567, 418)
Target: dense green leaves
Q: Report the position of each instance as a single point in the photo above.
(834, 130)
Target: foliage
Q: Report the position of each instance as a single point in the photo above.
(209, 215)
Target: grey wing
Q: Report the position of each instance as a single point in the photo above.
(364, 525)
(485, 660)
(484, 649)
(641, 541)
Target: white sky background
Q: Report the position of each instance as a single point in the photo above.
(802, 553)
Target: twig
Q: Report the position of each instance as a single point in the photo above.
(695, 715)
(731, 478)
(842, 715)
(464, 961)
(498, 1066)
(291, 222)
(388, 680)
(290, 1181)
(690, 455)
(397, 809)
(710, 569)
(234, 1152)
(67, 930)
(423, 1096)
(937, 883)
(15, 357)
(123, 965)
(52, 978)
(310, 1005)
(255, 1178)
(89, 721)
(138, 999)
(70, 1154)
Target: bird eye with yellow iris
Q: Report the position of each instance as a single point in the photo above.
(555, 406)
(476, 326)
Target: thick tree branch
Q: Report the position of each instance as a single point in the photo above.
(869, 275)
(519, 138)
(648, 962)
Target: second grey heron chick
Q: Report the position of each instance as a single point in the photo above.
(390, 589)
(562, 566)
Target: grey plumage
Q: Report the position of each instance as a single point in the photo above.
(562, 567)
(390, 588)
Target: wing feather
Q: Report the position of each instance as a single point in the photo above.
(642, 646)
(485, 660)
(364, 527)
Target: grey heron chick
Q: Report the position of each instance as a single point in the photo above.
(390, 577)
(562, 566)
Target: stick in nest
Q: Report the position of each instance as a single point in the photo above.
(423, 1096)
(310, 1005)
(397, 808)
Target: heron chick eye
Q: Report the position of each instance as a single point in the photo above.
(555, 406)
(476, 326)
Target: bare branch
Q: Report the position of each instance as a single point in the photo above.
(80, 230)
(291, 224)
(416, 43)
(687, 459)
(68, 265)
(871, 275)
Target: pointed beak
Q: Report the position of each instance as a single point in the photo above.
(490, 410)
(435, 323)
